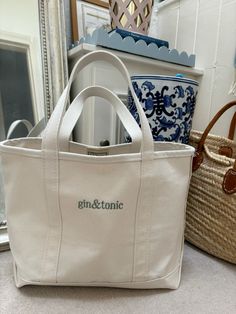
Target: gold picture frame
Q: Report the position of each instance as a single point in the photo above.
(97, 5)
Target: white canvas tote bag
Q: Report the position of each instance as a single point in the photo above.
(96, 216)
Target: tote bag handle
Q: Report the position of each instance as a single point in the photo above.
(15, 124)
(75, 109)
(33, 131)
(50, 139)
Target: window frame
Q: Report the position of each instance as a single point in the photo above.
(16, 42)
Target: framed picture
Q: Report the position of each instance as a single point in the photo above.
(88, 15)
(101, 3)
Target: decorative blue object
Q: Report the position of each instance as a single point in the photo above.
(179, 75)
(100, 37)
(136, 36)
(168, 103)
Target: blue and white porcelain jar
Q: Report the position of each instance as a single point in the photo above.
(168, 102)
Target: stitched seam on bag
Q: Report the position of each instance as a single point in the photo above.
(61, 222)
(50, 233)
(83, 283)
(20, 153)
(141, 213)
(135, 224)
(45, 250)
(47, 235)
(147, 223)
(121, 159)
(58, 214)
(91, 159)
(128, 160)
(148, 244)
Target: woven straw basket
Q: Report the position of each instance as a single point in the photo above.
(211, 206)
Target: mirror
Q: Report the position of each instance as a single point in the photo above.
(33, 68)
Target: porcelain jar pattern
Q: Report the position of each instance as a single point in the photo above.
(168, 102)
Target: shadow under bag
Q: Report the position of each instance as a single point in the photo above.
(96, 216)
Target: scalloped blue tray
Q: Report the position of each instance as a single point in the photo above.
(136, 36)
(100, 37)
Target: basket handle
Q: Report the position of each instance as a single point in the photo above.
(227, 150)
(232, 127)
(229, 182)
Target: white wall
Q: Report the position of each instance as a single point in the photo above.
(207, 29)
(20, 19)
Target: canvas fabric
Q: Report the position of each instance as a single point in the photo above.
(96, 216)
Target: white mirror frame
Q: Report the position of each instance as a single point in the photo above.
(54, 52)
(55, 68)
